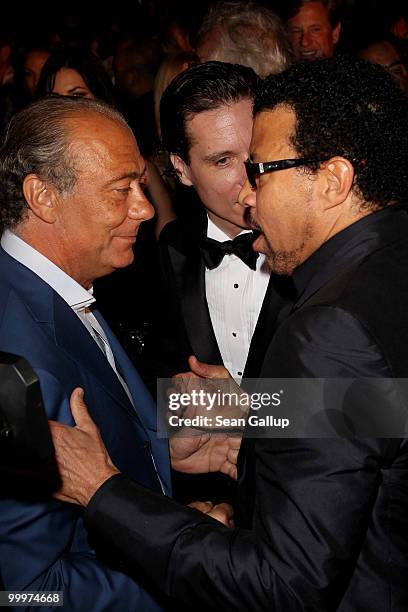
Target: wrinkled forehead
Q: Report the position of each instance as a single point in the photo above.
(99, 139)
(89, 126)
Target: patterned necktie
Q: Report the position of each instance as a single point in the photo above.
(99, 337)
(213, 252)
(101, 340)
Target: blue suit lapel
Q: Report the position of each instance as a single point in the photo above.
(142, 399)
(79, 344)
(50, 311)
(144, 404)
(74, 339)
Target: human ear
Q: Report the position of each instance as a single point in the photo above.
(41, 198)
(338, 175)
(182, 169)
(336, 33)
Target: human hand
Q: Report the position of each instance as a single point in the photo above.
(197, 452)
(200, 454)
(223, 513)
(204, 380)
(204, 370)
(83, 461)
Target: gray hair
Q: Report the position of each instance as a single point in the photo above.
(250, 35)
(36, 141)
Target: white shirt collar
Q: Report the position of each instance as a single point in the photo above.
(214, 232)
(71, 292)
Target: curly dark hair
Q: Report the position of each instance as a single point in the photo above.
(200, 88)
(350, 108)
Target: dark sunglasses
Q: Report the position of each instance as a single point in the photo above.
(255, 169)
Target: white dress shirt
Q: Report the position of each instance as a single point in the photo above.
(235, 294)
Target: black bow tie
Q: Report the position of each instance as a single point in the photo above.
(213, 251)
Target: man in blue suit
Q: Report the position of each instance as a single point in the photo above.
(72, 200)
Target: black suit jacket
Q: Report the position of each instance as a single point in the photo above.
(326, 526)
(184, 325)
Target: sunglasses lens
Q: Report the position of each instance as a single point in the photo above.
(250, 174)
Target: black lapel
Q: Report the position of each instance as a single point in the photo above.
(189, 276)
(188, 272)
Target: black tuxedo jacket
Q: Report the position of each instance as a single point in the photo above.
(326, 521)
(183, 319)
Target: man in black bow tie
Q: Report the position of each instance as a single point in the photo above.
(220, 302)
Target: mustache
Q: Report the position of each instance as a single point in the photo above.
(249, 220)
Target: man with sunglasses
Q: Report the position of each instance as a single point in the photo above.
(326, 517)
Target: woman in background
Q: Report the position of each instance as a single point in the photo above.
(75, 72)
(171, 66)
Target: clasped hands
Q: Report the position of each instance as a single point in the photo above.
(84, 463)
(197, 452)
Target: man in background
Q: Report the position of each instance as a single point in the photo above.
(242, 32)
(33, 61)
(385, 53)
(314, 29)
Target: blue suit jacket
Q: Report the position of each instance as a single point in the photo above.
(44, 545)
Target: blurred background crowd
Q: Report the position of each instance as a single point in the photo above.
(127, 54)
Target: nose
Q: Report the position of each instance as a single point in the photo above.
(247, 195)
(305, 39)
(140, 208)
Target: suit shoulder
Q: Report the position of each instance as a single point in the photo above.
(327, 324)
(179, 234)
(325, 341)
(169, 231)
